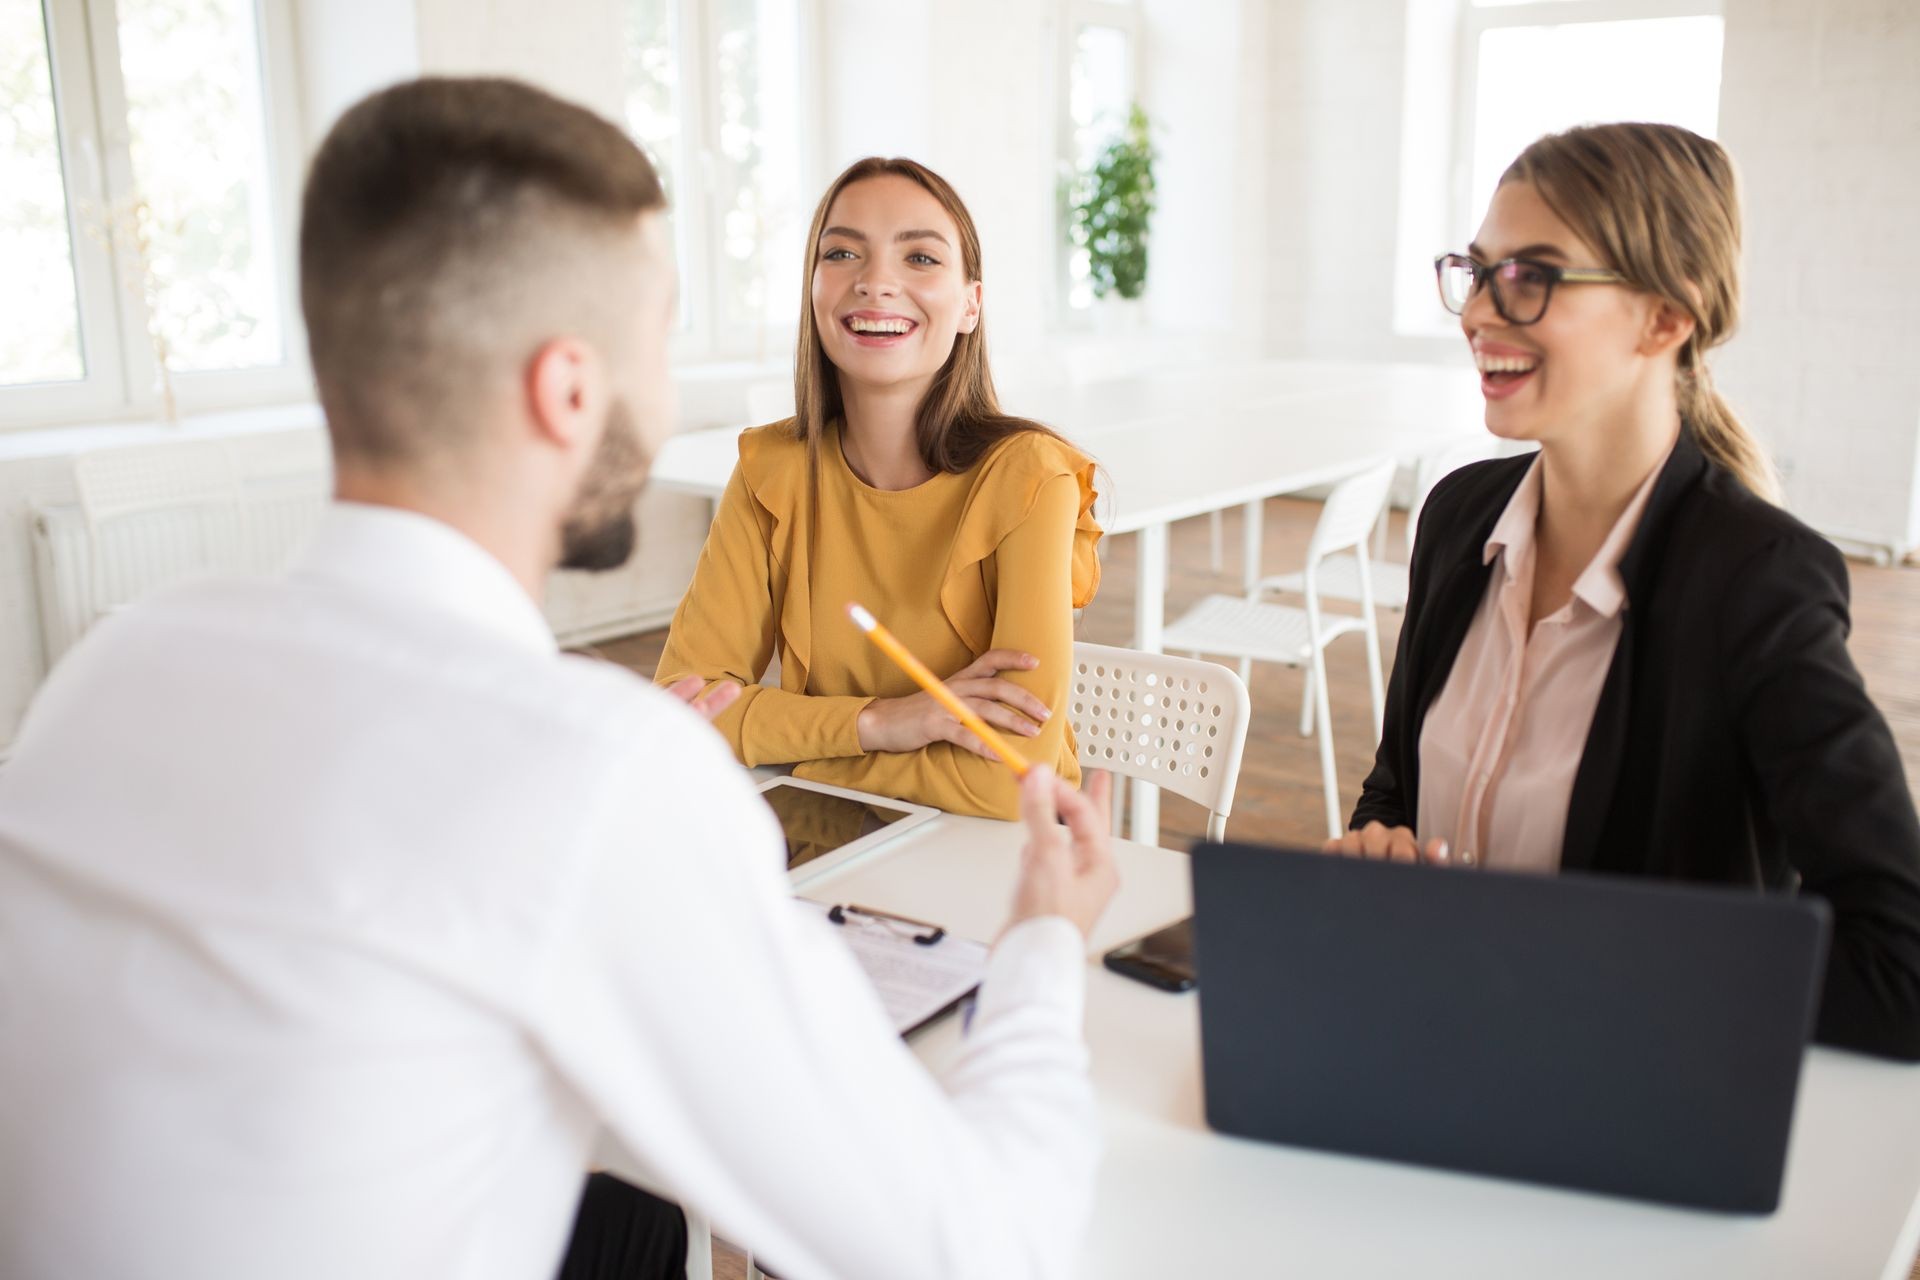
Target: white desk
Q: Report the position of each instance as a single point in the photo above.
(1186, 442)
(1176, 1199)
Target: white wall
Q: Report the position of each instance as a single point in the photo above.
(349, 48)
(1820, 108)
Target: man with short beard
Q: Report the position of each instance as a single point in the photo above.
(339, 912)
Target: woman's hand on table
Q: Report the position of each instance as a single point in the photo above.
(1389, 844)
(1065, 870)
(916, 721)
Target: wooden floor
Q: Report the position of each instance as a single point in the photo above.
(1279, 797)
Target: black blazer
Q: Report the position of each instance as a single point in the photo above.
(1733, 742)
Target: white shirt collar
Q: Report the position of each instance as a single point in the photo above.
(397, 552)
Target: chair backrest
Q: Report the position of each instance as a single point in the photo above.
(1178, 723)
(1434, 467)
(1351, 511)
(769, 400)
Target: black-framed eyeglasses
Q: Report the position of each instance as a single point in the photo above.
(1522, 287)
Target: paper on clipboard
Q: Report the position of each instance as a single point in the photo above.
(916, 983)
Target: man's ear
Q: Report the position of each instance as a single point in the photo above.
(566, 391)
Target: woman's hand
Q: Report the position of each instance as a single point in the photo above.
(1392, 844)
(907, 724)
(722, 696)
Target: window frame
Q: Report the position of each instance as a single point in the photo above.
(1122, 15)
(120, 373)
(700, 334)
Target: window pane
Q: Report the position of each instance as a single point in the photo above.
(1536, 80)
(197, 127)
(1099, 93)
(756, 171)
(653, 108)
(40, 323)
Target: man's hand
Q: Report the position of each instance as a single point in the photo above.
(718, 699)
(915, 721)
(1389, 844)
(1065, 871)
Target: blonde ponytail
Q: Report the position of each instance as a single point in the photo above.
(1662, 205)
(1722, 437)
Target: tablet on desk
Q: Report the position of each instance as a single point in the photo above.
(827, 825)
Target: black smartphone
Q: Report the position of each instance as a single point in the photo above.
(1164, 958)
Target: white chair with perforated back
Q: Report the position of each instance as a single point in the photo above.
(119, 489)
(1178, 723)
(1251, 629)
(1339, 577)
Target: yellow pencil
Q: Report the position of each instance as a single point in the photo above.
(933, 685)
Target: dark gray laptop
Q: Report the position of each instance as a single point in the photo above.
(1626, 1036)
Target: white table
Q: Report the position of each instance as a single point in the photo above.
(1176, 1199)
(1188, 442)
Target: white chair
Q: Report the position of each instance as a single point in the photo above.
(1249, 628)
(124, 493)
(1339, 577)
(1177, 723)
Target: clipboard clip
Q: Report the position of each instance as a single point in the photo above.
(839, 912)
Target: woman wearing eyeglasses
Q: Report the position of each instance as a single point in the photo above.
(899, 485)
(1618, 653)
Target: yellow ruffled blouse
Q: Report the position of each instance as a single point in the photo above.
(998, 556)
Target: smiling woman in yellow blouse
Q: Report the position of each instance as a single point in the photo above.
(899, 484)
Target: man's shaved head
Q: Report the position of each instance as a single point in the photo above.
(449, 228)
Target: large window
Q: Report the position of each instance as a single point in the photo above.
(1523, 68)
(1535, 68)
(144, 221)
(713, 94)
(1102, 82)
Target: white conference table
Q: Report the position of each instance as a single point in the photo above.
(1187, 442)
(1176, 1199)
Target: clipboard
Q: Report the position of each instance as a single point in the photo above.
(919, 970)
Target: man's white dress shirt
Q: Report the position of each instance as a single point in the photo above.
(339, 911)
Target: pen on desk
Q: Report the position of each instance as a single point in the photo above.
(934, 686)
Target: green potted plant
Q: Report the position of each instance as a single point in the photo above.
(1112, 211)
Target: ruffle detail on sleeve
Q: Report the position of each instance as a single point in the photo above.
(1001, 499)
(773, 463)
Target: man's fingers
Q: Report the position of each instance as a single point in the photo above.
(1098, 785)
(1039, 807)
(1438, 852)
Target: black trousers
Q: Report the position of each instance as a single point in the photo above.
(622, 1233)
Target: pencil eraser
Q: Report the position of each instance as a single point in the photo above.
(861, 618)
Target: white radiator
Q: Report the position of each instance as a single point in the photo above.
(149, 549)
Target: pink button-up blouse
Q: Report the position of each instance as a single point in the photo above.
(1502, 742)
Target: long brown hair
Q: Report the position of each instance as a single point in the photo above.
(959, 418)
(1662, 206)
